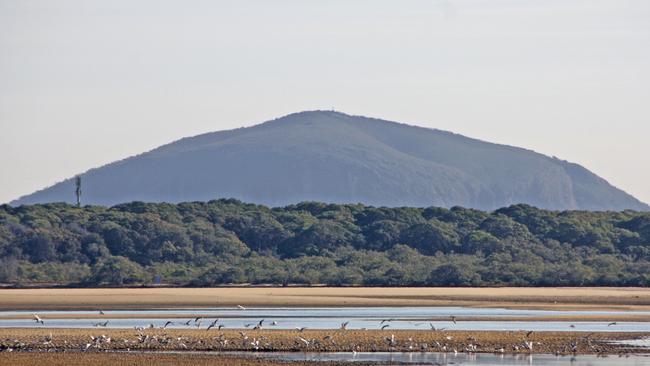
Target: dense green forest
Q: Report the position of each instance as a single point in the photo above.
(230, 242)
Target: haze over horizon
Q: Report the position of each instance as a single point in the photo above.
(85, 83)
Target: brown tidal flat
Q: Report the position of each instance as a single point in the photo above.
(139, 298)
(142, 358)
(93, 340)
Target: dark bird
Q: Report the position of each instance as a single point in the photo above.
(529, 333)
(344, 325)
(168, 323)
(610, 324)
(385, 326)
(453, 319)
(213, 324)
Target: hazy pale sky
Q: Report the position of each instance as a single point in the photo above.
(87, 82)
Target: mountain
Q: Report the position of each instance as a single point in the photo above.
(333, 157)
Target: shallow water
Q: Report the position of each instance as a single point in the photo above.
(435, 358)
(466, 359)
(331, 318)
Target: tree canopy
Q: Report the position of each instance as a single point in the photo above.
(231, 242)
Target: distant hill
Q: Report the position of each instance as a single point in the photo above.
(333, 157)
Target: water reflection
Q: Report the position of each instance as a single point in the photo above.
(464, 359)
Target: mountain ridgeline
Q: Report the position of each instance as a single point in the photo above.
(337, 158)
(230, 242)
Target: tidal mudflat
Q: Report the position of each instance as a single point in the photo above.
(558, 298)
(303, 326)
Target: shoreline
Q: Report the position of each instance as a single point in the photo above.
(151, 358)
(556, 298)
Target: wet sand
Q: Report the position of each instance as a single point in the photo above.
(142, 298)
(38, 340)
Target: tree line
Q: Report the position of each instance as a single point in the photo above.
(230, 242)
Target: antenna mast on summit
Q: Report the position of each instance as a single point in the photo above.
(78, 190)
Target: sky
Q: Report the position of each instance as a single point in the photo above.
(87, 82)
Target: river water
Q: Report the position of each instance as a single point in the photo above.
(437, 358)
(331, 318)
(481, 359)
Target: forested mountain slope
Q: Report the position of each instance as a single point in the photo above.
(337, 158)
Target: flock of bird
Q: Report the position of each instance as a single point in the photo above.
(145, 339)
(198, 321)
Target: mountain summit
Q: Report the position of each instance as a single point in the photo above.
(333, 157)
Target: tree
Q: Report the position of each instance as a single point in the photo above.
(117, 271)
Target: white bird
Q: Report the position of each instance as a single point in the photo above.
(528, 345)
(344, 325)
(241, 307)
(38, 319)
